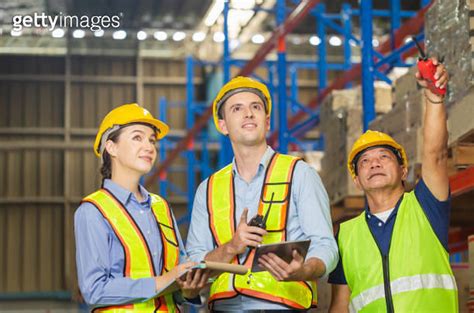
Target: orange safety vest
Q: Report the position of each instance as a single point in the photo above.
(138, 262)
(276, 191)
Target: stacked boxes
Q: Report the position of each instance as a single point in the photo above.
(341, 124)
(405, 121)
(448, 27)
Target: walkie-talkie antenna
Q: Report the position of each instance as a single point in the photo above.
(422, 53)
(268, 211)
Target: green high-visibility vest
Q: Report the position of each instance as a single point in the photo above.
(414, 277)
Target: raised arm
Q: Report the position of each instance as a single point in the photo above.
(435, 136)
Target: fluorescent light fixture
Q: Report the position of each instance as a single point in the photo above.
(160, 35)
(352, 42)
(178, 36)
(314, 40)
(199, 36)
(375, 42)
(58, 33)
(258, 39)
(99, 33)
(141, 35)
(15, 33)
(78, 33)
(119, 35)
(218, 37)
(243, 4)
(296, 40)
(234, 44)
(335, 41)
(214, 12)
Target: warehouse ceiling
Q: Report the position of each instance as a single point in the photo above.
(189, 16)
(166, 14)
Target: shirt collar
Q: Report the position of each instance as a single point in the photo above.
(369, 215)
(263, 161)
(124, 195)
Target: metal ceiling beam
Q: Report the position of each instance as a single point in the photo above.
(298, 14)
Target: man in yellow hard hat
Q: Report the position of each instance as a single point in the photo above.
(260, 182)
(128, 246)
(394, 256)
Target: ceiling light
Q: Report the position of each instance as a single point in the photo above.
(199, 36)
(335, 41)
(218, 37)
(352, 42)
(78, 33)
(141, 35)
(375, 42)
(234, 44)
(408, 39)
(243, 4)
(160, 35)
(314, 40)
(178, 36)
(58, 33)
(99, 33)
(119, 35)
(296, 40)
(214, 12)
(15, 33)
(258, 39)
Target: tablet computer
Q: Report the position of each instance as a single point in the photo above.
(284, 250)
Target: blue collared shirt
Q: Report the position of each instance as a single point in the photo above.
(308, 217)
(436, 211)
(100, 256)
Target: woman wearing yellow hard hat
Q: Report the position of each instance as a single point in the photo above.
(128, 246)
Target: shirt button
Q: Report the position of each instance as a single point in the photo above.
(368, 216)
(141, 212)
(155, 254)
(148, 232)
(380, 224)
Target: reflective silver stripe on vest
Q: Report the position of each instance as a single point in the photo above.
(409, 283)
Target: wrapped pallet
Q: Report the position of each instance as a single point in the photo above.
(448, 29)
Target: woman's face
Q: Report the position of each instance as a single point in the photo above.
(135, 149)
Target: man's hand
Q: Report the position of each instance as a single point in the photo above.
(441, 79)
(281, 270)
(245, 236)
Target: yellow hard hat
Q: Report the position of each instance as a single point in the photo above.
(236, 85)
(373, 138)
(123, 115)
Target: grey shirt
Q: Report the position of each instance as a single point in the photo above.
(308, 217)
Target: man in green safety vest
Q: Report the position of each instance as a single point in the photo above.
(393, 257)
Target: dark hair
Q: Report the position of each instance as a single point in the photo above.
(106, 168)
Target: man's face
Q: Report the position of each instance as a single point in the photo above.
(244, 119)
(377, 169)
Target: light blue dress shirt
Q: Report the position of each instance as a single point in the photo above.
(308, 217)
(100, 255)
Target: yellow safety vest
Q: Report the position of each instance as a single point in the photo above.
(138, 262)
(416, 275)
(221, 207)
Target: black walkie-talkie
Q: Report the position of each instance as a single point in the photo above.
(260, 220)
